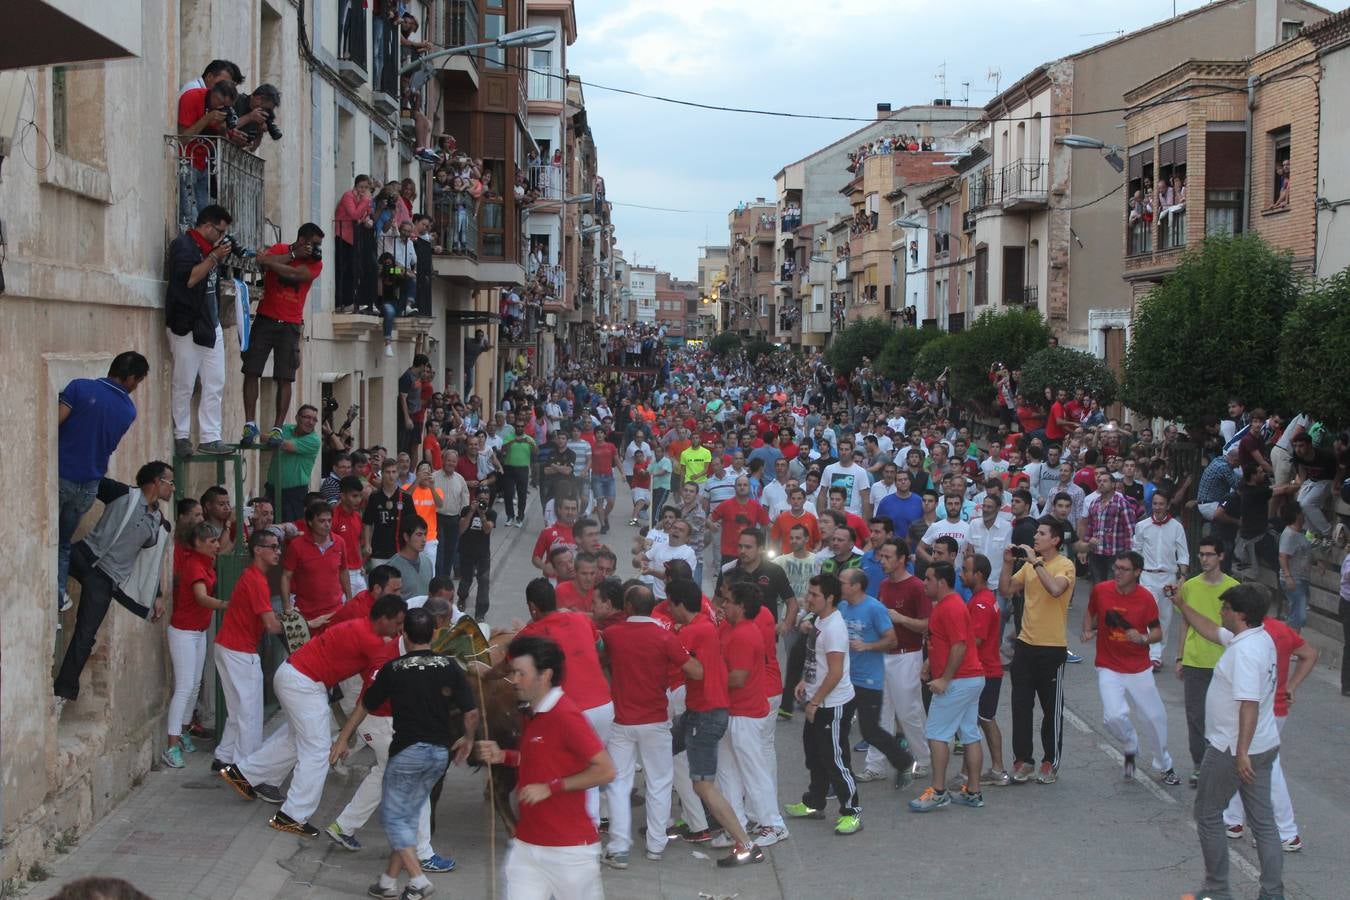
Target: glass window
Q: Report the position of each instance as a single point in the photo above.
(494, 26)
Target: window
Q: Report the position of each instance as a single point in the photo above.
(981, 276)
(1014, 274)
(492, 214)
(60, 142)
(543, 86)
(1289, 29)
(1225, 161)
(1139, 202)
(1279, 140)
(494, 26)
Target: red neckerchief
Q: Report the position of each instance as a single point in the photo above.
(202, 243)
(1165, 520)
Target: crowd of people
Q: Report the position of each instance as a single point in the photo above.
(886, 145)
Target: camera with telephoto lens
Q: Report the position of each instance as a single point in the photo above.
(330, 406)
(395, 271)
(1019, 553)
(238, 249)
(272, 130)
(231, 118)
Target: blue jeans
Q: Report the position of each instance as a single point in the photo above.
(74, 499)
(391, 309)
(408, 778)
(1296, 605)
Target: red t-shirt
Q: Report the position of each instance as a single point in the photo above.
(571, 597)
(553, 536)
(467, 467)
(641, 653)
(1139, 610)
(768, 632)
(556, 744)
(583, 679)
(189, 568)
(285, 300)
(432, 445)
(314, 575)
(641, 477)
(986, 626)
(1287, 640)
(339, 653)
(1053, 430)
(907, 598)
(347, 529)
(602, 458)
(735, 517)
(356, 608)
(948, 626)
(699, 637)
(242, 627)
(743, 649)
(191, 107)
(391, 650)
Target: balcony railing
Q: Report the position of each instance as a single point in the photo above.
(229, 176)
(547, 180)
(461, 23)
(1172, 229)
(791, 221)
(456, 226)
(544, 86)
(556, 279)
(1021, 183)
(352, 41)
(1026, 295)
(384, 49)
(968, 221)
(1139, 238)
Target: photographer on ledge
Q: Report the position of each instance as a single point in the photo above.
(255, 113)
(288, 272)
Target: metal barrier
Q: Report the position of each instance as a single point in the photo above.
(229, 176)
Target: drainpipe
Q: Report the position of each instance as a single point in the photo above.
(1252, 82)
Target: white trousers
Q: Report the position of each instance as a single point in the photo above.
(1279, 798)
(626, 745)
(358, 580)
(430, 550)
(902, 700)
(377, 732)
(601, 718)
(190, 363)
(1118, 691)
(691, 807)
(1154, 582)
(553, 873)
(769, 724)
(241, 680)
(744, 773)
(187, 650)
(301, 743)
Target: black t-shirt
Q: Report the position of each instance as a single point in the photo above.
(1135, 490)
(422, 688)
(1255, 509)
(474, 541)
(770, 578)
(384, 514)
(1321, 467)
(407, 386)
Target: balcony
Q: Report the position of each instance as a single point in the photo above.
(1172, 228)
(545, 183)
(232, 178)
(384, 80)
(549, 284)
(456, 227)
(1023, 185)
(544, 86)
(461, 28)
(968, 221)
(1027, 295)
(1139, 238)
(352, 66)
(790, 221)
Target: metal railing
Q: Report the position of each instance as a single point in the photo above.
(1172, 229)
(456, 226)
(1024, 179)
(1139, 238)
(385, 77)
(544, 86)
(555, 277)
(352, 32)
(790, 221)
(1027, 295)
(547, 179)
(229, 176)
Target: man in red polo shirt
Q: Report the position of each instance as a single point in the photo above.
(383, 580)
(986, 630)
(347, 527)
(302, 742)
(556, 851)
(288, 272)
(583, 678)
(314, 569)
(578, 594)
(641, 654)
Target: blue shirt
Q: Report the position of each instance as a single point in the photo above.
(101, 411)
(871, 567)
(770, 455)
(866, 622)
(902, 513)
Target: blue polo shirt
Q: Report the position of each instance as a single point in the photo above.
(871, 567)
(901, 512)
(867, 622)
(101, 411)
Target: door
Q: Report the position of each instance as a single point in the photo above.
(1114, 341)
(1014, 274)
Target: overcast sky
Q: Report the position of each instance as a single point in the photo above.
(791, 55)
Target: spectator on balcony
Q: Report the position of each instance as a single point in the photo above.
(1282, 184)
(195, 336)
(353, 211)
(422, 247)
(288, 272)
(410, 47)
(473, 348)
(201, 111)
(216, 70)
(256, 112)
(407, 194)
(384, 38)
(390, 213)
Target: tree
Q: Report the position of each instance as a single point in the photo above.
(1211, 331)
(862, 338)
(1314, 362)
(896, 361)
(1005, 336)
(725, 343)
(757, 348)
(937, 354)
(1060, 367)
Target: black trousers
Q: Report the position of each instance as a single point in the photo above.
(447, 537)
(1037, 673)
(796, 662)
(292, 501)
(825, 742)
(346, 281)
(1195, 685)
(515, 489)
(97, 592)
(866, 703)
(470, 568)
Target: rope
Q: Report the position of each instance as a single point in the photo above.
(492, 793)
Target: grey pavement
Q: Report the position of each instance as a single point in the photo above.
(184, 834)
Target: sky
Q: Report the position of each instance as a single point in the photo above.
(802, 56)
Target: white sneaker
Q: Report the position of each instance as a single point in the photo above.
(510, 520)
(65, 604)
(869, 775)
(59, 705)
(723, 841)
(767, 836)
(388, 349)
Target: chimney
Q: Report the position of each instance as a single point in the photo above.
(883, 110)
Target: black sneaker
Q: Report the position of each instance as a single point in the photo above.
(1171, 778)
(1129, 767)
(741, 856)
(217, 765)
(269, 793)
(235, 779)
(283, 822)
(698, 837)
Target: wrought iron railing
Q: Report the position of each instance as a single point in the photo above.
(228, 176)
(352, 32)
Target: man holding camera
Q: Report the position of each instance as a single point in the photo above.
(195, 336)
(288, 272)
(202, 111)
(256, 112)
(475, 550)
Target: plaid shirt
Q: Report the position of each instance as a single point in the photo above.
(1112, 521)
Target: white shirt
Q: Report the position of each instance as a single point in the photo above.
(1162, 546)
(852, 478)
(990, 542)
(631, 451)
(659, 555)
(880, 491)
(957, 530)
(1246, 671)
(830, 635)
(896, 424)
(774, 499)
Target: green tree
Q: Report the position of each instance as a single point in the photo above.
(725, 343)
(897, 356)
(1060, 367)
(1314, 362)
(1211, 331)
(757, 348)
(936, 355)
(1005, 336)
(862, 338)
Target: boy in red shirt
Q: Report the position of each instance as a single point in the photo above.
(986, 629)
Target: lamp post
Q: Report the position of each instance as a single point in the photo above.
(1110, 152)
(536, 36)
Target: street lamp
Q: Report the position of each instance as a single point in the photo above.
(1111, 152)
(535, 36)
(908, 223)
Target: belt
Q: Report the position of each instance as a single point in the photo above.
(903, 652)
(1157, 570)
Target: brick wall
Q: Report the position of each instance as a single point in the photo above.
(1286, 98)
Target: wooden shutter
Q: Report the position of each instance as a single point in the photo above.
(1225, 156)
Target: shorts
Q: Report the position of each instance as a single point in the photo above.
(956, 713)
(269, 335)
(641, 495)
(602, 486)
(697, 734)
(988, 706)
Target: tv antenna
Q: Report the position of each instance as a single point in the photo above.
(995, 75)
(941, 77)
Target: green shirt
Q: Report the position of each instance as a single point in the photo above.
(1203, 597)
(518, 453)
(298, 464)
(695, 462)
